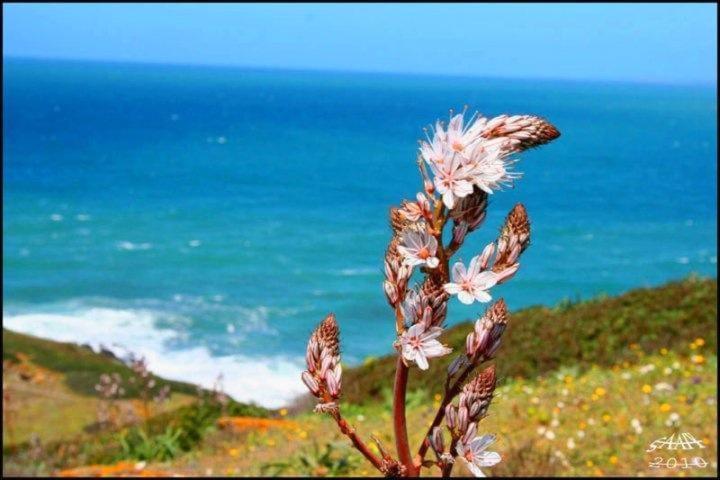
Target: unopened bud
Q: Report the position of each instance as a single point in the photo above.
(310, 382)
(462, 418)
(451, 417)
(437, 441)
(507, 274)
(469, 433)
(485, 256)
(459, 232)
(429, 187)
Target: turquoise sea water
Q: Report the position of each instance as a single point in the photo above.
(209, 217)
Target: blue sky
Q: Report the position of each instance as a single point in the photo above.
(664, 43)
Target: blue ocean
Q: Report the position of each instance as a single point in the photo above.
(209, 217)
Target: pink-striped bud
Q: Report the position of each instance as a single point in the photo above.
(507, 274)
(310, 383)
(456, 365)
(390, 292)
(484, 340)
(462, 418)
(459, 232)
(470, 345)
(469, 433)
(323, 376)
(437, 441)
(429, 187)
(451, 419)
(485, 256)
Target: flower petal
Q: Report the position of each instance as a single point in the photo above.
(466, 297)
(421, 360)
(452, 288)
(482, 296)
(488, 459)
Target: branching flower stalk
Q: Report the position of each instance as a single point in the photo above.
(460, 165)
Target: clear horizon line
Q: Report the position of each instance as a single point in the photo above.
(697, 83)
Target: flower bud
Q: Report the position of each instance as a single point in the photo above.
(462, 418)
(437, 441)
(451, 417)
(469, 433)
(310, 383)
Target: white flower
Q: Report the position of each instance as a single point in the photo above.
(487, 166)
(475, 456)
(419, 343)
(419, 247)
(435, 151)
(414, 211)
(471, 284)
(460, 135)
(452, 180)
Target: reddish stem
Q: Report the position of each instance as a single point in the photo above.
(356, 441)
(401, 436)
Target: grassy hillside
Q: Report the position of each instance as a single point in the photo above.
(585, 387)
(539, 340)
(79, 366)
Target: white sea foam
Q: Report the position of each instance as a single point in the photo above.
(360, 271)
(124, 245)
(268, 381)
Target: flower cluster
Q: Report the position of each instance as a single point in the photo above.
(477, 153)
(468, 160)
(324, 374)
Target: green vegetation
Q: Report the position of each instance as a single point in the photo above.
(539, 340)
(80, 366)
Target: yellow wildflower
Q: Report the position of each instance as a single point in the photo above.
(663, 351)
(599, 391)
(697, 359)
(606, 418)
(283, 412)
(699, 342)
(613, 459)
(646, 388)
(438, 397)
(665, 407)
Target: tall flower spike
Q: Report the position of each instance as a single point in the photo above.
(514, 239)
(323, 376)
(522, 131)
(484, 340)
(477, 394)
